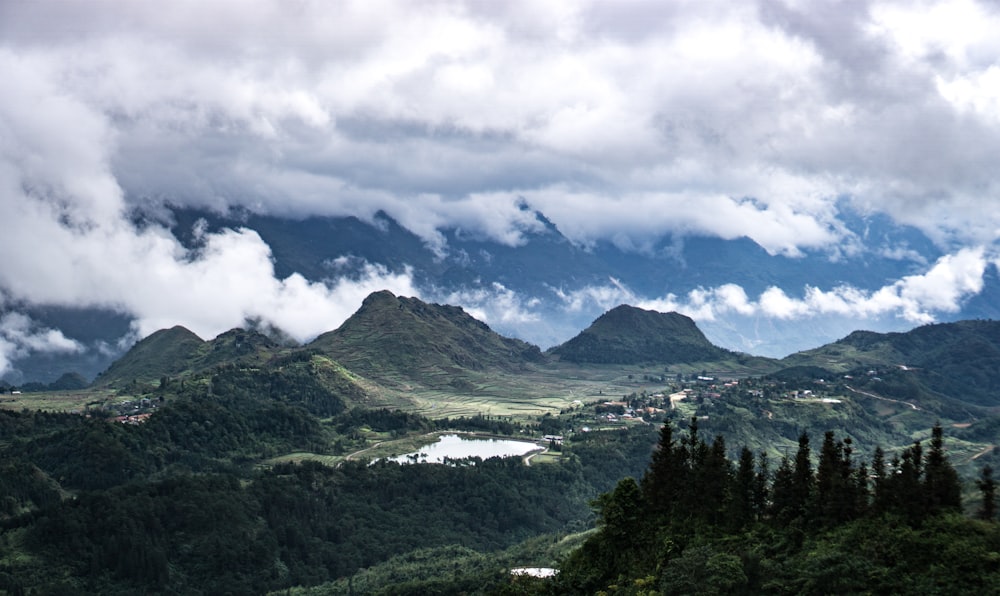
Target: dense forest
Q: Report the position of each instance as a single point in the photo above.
(177, 505)
(256, 469)
(697, 523)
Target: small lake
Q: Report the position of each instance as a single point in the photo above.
(458, 447)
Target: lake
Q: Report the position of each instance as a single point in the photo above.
(458, 447)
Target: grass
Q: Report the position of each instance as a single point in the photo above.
(56, 401)
(301, 456)
(548, 457)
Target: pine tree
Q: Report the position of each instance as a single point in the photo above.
(942, 488)
(828, 486)
(716, 478)
(905, 488)
(783, 501)
(743, 508)
(988, 488)
(665, 475)
(761, 487)
(802, 478)
(880, 498)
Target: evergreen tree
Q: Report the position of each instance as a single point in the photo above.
(942, 488)
(906, 496)
(880, 497)
(802, 478)
(762, 483)
(837, 488)
(666, 473)
(988, 488)
(743, 505)
(828, 486)
(716, 477)
(783, 502)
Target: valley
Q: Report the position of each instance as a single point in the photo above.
(292, 443)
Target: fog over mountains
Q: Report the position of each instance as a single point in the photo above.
(548, 289)
(783, 174)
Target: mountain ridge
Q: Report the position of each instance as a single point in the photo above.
(392, 337)
(402, 344)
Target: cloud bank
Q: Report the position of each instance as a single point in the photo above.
(618, 121)
(917, 299)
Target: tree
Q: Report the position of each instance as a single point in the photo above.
(802, 477)
(743, 504)
(880, 498)
(988, 488)
(941, 485)
(665, 475)
(783, 508)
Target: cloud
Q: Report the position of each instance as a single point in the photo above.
(914, 298)
(623, 123)
(651, 119)
(68, 239)
(497, 305)
(19, 336)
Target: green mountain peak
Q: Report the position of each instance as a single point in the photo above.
(630, 335)
(392, 338)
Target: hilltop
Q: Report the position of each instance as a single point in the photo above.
(631, 335)
(397, 339)
(178, 351)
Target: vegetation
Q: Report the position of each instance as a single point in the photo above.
(955, 361)
(697, 523)
(175, 505)
(392, 338)
(630, 335)
(243, 465)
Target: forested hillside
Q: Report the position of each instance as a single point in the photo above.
(176, 505)
(244, 465)
(957, 361)
(697, 523)
(397, 339)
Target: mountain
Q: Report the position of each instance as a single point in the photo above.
(177, 350)
(630, 335)
(547, 274)
(165, 352)
(398, 340)
(960, 360)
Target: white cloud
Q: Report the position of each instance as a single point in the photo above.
(442, 114)
(496, 305)
(621, 124)
(19, 336)
(67, 240)
(914, 298)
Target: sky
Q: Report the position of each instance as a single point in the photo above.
(618, 120)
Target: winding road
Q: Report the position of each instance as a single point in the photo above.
(872, 395)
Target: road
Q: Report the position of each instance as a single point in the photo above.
(873, 396)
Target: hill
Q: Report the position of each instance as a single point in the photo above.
(397, 339)
(178, 351)
(959, 361)
(166, 352)
(630, 335)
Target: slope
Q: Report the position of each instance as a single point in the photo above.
(178, 351)
(166, 352)
(960, 360)
(401, 340)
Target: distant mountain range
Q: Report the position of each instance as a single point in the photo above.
(561, 284)
(398, 343)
